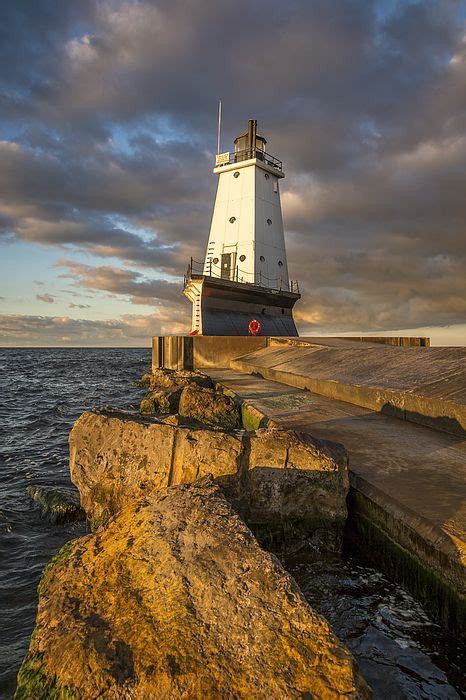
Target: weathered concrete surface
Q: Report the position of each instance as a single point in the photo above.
(175, 599)
(407, 480)
(201, 351)
(209, 407)
(423, 385)
(289, 487)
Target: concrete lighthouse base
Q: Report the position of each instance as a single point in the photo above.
(225, 307)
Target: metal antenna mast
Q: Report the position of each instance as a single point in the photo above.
(219, 125)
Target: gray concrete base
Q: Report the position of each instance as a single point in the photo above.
(201, 351)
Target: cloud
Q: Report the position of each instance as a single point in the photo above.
(130, 283)
(47, 298)
(129, 330)
(79, 306)
(108, 135)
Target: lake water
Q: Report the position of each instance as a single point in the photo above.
(401, 651)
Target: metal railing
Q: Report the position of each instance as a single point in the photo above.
(210, 269)
(247, 155)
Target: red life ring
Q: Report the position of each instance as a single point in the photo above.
(254, 327)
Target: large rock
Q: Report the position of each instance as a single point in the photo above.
(175, 599)
(289, 487)
(115, 456)
(296, 489)
(210, 407)
(59, 505)
(165, 388)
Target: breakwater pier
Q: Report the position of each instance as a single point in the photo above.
(399, 409)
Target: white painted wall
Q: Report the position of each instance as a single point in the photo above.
(252, 198)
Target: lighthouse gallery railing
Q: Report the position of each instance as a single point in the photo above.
(239, 156)
(210, 269)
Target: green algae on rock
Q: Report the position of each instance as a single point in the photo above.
(210, 407)
(144, 381)
(175, 599)
(165, 387)
(60, 505)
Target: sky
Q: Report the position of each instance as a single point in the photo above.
(108, 118)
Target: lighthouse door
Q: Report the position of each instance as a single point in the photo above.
(226, 266)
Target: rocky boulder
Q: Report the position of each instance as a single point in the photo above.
(210, 407)
(59, 505)
(175, 599)
(288, 487)
(115, 456)
(165, 388)
(296, 488)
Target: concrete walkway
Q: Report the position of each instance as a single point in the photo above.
(422, 385)
(414, 475)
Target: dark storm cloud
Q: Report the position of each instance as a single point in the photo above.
(69, 198)
(109, 128)
(126, 282)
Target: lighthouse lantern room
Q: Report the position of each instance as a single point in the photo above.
(244, 275)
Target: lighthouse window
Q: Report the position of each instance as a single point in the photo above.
(232, 219)
(267, 176)
(236, 174)
(242, 258)
(262, 259)
(280, 264)
(215, 261)
(269, 221)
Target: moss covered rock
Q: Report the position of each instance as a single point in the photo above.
(165, 388)
(210, 407)
(59, 505)
(175, 599)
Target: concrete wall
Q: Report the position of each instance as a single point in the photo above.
(202, 351)
(400, 341)
(196, 352)
(396, 341)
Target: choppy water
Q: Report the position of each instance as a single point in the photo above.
(401, 651)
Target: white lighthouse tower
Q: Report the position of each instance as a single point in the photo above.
(244, 275)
